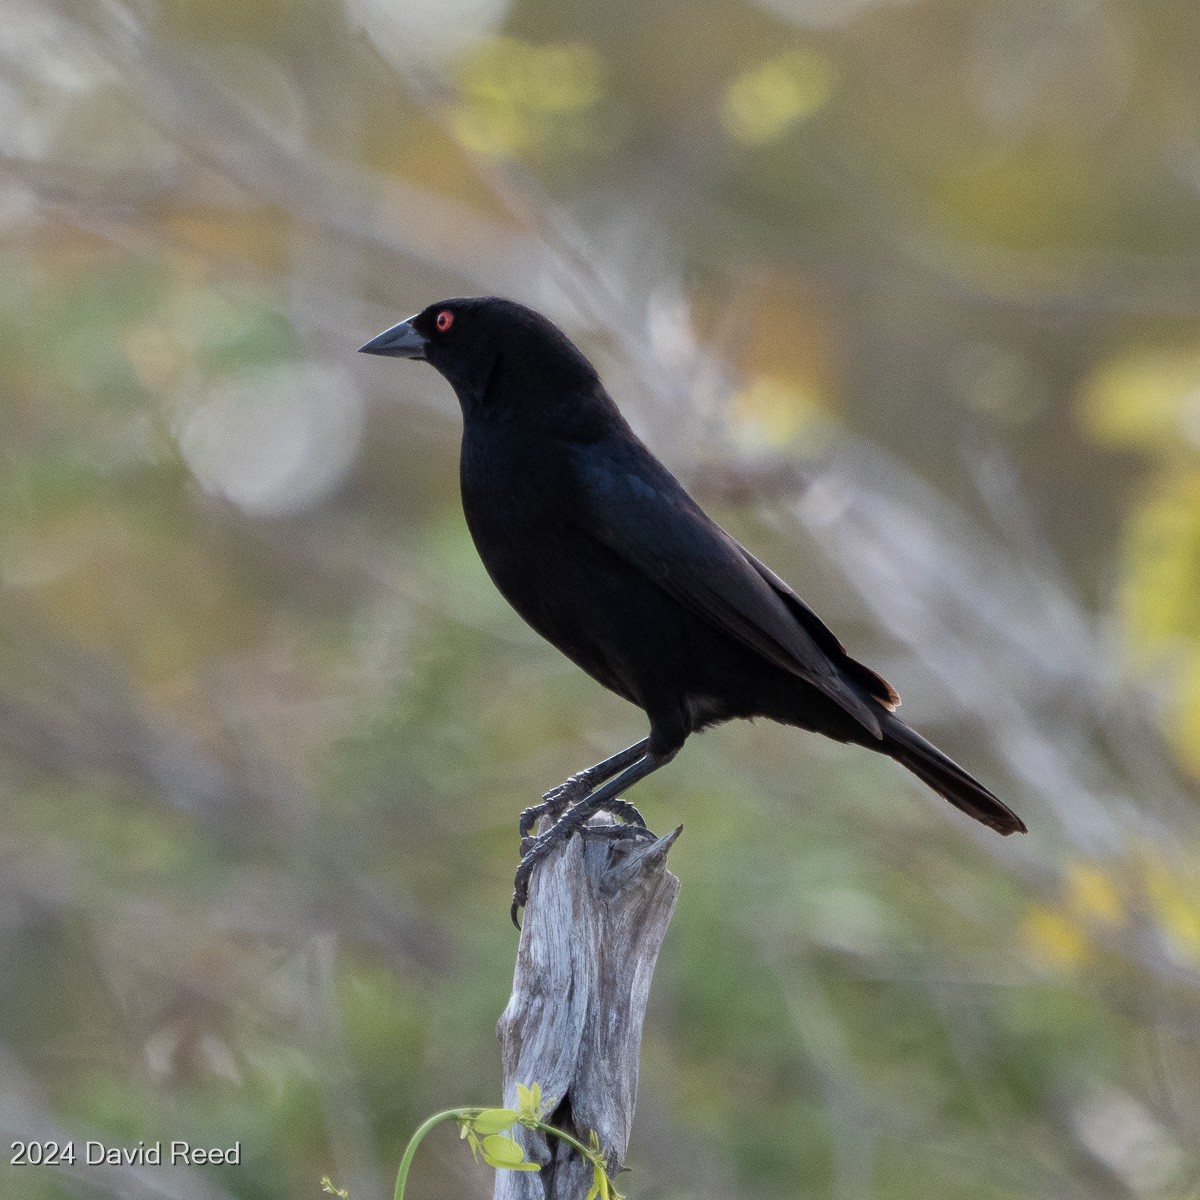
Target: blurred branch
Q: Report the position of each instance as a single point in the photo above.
(398, 220)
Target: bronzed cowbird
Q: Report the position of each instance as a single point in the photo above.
(597, 545)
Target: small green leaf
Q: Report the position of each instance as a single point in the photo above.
(501, 1151)
(504, 1154)
(494, 1120)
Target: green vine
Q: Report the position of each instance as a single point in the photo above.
(485, 1131)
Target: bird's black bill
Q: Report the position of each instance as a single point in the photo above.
(401, 341)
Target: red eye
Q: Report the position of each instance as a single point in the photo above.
(444, 320)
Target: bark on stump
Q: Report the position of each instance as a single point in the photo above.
(597, 914)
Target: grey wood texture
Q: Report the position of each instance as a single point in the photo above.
(597, 914)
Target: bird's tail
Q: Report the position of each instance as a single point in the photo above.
(947, 778)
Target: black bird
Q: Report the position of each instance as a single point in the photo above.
(598, 547)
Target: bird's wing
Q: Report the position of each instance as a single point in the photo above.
(874, 684)
(632, 505)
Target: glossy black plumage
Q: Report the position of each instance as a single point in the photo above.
(601, 550)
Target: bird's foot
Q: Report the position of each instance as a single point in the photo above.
(555, 802)
(535, 849)
(553, 805)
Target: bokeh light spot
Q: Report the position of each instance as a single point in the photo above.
(763, 103)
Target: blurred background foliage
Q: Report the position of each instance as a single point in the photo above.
(906, 291)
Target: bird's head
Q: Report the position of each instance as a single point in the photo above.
(493, 352)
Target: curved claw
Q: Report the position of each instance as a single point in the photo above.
(533, 850)
(529, 859)
(626, 812)
(528, 819)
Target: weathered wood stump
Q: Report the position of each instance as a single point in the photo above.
(598, 910)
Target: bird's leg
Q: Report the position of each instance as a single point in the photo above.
(576, 817)
(557, 800)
